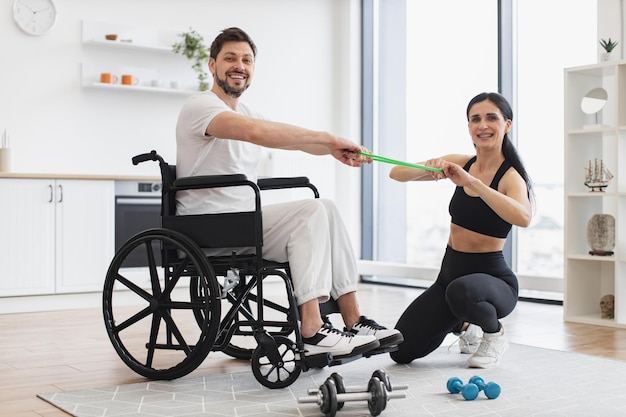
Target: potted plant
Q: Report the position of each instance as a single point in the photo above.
(608, 46)
(192, 46)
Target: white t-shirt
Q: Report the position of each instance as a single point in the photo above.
(199, 154)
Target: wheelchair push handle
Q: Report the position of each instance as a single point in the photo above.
(152, 156)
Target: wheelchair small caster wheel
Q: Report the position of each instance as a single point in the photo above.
(281, 372)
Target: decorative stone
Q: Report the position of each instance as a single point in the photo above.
(601, 234)
(607, 306)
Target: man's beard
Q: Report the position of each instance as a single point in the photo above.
(223, 84)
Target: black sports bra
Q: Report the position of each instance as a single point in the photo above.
(473, 213)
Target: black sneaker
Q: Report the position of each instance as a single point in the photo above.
(386, 337)
(340, 344)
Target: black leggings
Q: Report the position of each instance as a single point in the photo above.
(478, 288)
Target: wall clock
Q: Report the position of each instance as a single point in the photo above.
(35, 17)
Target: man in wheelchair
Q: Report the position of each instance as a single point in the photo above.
(218, 135)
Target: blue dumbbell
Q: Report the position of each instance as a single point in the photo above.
(491, 389)
(469, 391)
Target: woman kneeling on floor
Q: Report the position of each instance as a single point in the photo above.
(475, 287)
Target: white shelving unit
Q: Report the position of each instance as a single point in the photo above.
(144, 52)
(589, 137)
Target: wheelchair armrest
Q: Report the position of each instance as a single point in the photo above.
(217, 181)
(286, 182)
(210, 181)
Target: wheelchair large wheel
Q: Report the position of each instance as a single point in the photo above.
(148, 313)
(277, 375)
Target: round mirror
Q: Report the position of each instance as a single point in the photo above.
(594, 100)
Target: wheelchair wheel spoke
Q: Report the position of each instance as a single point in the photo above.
(134, 288)
(152, 266)
(178, 305)
(176, 332)
(154, 332)
(268, 374)
(132, 320)
(171, 283)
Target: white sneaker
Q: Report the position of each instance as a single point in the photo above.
(470, 338)
(490, 350)
(386, 337)
(340, 344)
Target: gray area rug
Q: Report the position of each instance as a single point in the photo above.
(534, 382)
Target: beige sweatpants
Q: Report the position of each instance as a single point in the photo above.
(311, 236)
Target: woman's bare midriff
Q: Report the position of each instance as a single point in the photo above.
(464, 240)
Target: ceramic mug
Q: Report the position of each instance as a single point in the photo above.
(108, 78)
(156, 83)
(128, 79)
(174, 84)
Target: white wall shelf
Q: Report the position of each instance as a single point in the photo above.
(138, 88)
(590, 137)
(132, 46)
(129, 36)
(144, 52)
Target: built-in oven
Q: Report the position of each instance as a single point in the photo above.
(137, 208)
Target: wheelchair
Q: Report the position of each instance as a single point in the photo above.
(164, 319)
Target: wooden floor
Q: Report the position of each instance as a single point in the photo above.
(69, 350)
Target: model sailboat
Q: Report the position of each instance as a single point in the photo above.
(597, 176)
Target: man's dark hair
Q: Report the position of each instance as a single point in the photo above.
(230, 35)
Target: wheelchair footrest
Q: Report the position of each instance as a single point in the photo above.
(345, 359)
(316, 361)
(327, 359)
(378, 351)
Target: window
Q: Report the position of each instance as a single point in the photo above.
(429, 67)
(429, 60)
(438, 90)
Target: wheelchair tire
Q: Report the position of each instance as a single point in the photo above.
(277, 375)
(147, 310)
(238, 352)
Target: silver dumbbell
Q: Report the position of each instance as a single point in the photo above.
(341, 388)
(328, 399)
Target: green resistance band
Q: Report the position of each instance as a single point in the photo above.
(401, 163)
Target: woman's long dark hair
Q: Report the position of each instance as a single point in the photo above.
(508, 150)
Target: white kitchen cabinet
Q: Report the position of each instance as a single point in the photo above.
(27, 237)
(56, 235)
(85, 229)
(589, 137)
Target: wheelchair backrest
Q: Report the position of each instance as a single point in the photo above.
(168, 198)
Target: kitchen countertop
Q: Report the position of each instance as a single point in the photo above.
(78, 176)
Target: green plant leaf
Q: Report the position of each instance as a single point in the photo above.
(193, 48)
(608, 45)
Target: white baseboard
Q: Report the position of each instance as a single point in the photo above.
(53, 302)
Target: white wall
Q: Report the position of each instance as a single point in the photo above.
(307, 74)
(611, 15)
